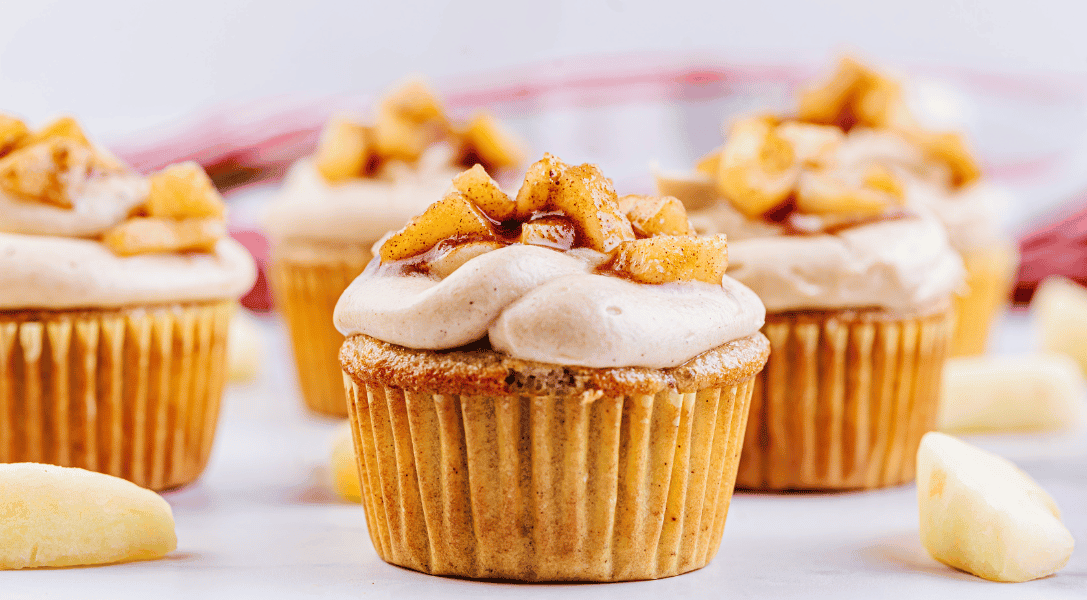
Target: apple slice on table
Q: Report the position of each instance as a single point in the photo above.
(1011, 393)
(1060, 306)
(345, 470)
(981, 514)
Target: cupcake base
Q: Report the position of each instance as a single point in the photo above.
(990, 273)
(844, 399)
(490, 467)
(129, 392)
(308, 279)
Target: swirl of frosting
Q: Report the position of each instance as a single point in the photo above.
(47, 259)
(539, 304)
(359, 210)
(902, 263)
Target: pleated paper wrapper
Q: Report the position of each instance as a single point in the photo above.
(131, 392)
(844, 400)
(307, 283)
(990, 273)
(564, 483)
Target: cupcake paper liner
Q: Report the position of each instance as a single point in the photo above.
(306, 291)
(990, 273)
(844, 400)
(130, 392)
(586, 487)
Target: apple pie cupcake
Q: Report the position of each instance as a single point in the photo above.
(868, 128)
(552, 387)
(858, 284)
(115, 297)
(363, 181)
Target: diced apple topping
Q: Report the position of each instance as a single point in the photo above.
(550, 231)
(590, 201)
(414, 100)
(664, 259)
(951, 149)
(854, 95)
(813, 145)
(758, 168)
(708, 163)
(452, 216)
(148, 235)
(184, 191)
(655, 215)
(541, 181)
(51, 171)
(63, 128)
(12, 133)
(484, 192)
(408, 121)
(493, 145)
(822, 192)
(444, 259)
(566, 208)
(345, 150)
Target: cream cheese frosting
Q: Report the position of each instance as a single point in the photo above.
(47, 260)
(57, 273)
(899, 264)
(360, 210)
(539, 304)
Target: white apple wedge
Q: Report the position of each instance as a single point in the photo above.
(981, 514)
(1036, 392)
(345, 471)
(1060, 306)
(58, 517)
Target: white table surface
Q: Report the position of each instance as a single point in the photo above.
(263, 523)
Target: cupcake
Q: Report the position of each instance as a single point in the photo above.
(115, 297)
(936, 170)
(858, 283)
(553, 387)
(363, 181)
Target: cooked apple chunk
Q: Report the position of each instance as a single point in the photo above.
(182, 191)
(487, 139)
(951, 149)
(50, 171)
(813, 145)
(655, 215)
(64, 128)
(398, 138)
(344, 151)
(149, 235)
(824, 193)
(12, 133)
(551, 232)
(827, 101)
(590, 202)
(708, 163)
(665, 258)
(444, 259)
(414, 101)
(478, 187)
(541, 181)
(452, 216)
(758, 170)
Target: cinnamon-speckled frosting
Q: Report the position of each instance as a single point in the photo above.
(543, 305)
(49, 258)
(904, 263)
(361, 210)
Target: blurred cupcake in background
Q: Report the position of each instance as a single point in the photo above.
(857, 280)
(866, 128)
(116, 292)
(363, 181)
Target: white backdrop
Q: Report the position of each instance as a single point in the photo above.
(125, 65)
